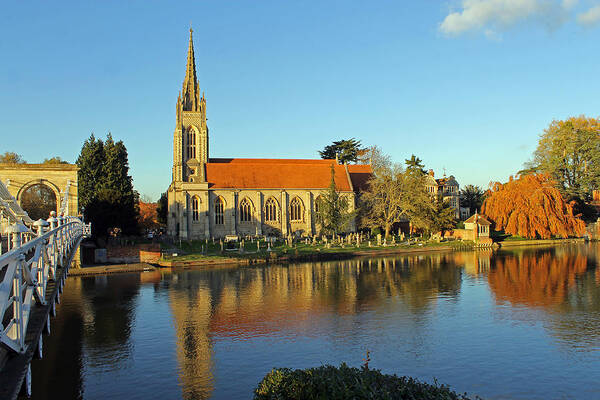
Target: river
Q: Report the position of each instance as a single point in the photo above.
(518, 324)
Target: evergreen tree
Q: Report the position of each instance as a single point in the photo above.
(162, 208)
(415, 164)
(90, 161)
(106, 190)
(347, 151)
(472, 197)
(333, 214)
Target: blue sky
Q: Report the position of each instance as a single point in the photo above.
(465, 85)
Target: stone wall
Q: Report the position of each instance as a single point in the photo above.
(181, 212)
(133, 254)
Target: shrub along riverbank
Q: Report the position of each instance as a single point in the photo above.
(344, 382)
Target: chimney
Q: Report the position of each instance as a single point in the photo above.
(431, 173)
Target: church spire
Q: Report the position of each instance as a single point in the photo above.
(191, 87)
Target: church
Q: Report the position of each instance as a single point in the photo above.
(215, 197)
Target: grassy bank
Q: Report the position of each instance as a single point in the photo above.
(202, 252)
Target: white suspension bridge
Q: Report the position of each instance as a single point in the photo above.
(34, 261)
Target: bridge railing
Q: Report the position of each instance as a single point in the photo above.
(26, 270)
(64, 201)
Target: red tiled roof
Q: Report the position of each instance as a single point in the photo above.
(360, 175)
(249, 173)
(480, 219)
(269, 161)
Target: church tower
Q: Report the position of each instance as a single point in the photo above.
(190, 140)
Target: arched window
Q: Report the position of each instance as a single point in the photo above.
(295, 209)
(195, 208)
(318, 201)
(191, 143)
(245, 211)
(219, 211)
(271, 210)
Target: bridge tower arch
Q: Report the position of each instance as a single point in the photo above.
(19, 178)
(39, 197)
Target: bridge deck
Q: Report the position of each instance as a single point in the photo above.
(13, 368)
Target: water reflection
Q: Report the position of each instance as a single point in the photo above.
(249, 302)
(198, 324)
(108, 312)
(537, 279)
(95, 314)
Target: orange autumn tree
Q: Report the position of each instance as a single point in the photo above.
(147, 219)
(531, 206)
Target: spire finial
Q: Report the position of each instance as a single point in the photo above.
(190, 84)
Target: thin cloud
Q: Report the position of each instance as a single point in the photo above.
(589, 18)
(498, 15)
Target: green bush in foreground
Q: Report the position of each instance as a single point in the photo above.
(329, 382)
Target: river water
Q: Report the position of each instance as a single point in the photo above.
(519, 324)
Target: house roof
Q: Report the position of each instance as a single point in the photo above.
(449, 181)
(479, 219)
(360, 175)
(261, 173)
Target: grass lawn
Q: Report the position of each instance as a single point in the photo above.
(207, 250)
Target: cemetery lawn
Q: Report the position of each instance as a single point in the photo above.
(200, 251)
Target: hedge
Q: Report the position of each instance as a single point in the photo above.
(329, 382)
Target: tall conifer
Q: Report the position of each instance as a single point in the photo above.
(106, 190)
(333, 214)
(90, 163)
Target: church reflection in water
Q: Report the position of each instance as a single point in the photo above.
(240, 304)
(249, 302)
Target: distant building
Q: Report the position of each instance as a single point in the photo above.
(465, 212)
(215, 197)
(446, 188)
(479, 226)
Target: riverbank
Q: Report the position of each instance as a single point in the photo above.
(295, 255)
(299, 253)
(262, 258)
(111, 269)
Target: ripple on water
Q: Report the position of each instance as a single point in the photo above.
(521, 324)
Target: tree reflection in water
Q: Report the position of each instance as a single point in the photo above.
(197, 330)
(562, 281)
(92, 329)
(538, 279)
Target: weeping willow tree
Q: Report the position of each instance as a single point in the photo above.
(531, 206)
